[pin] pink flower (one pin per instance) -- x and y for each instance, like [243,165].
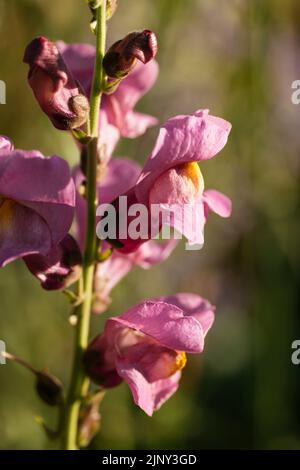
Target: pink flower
[120,175]
[37,199]
[172,177]
[53,85]
[146,347]
[117,117]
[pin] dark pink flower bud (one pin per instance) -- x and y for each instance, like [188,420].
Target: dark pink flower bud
[99,363]
[60,268]
[49,388]
[122,55]
[57,92]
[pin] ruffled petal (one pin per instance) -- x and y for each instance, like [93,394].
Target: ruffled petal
[193,305]
[166,324]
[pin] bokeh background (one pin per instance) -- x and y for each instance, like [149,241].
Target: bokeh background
[238,58]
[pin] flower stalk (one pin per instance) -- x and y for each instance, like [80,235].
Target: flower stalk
[79,382]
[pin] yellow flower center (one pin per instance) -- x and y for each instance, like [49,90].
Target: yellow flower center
[180,361]
[192,172]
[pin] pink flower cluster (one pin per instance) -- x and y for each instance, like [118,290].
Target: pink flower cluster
[40,198]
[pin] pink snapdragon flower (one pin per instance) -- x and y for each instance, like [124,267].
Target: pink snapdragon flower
[171,176]
[37,199]
[120,175]
[117,117]
[147,345]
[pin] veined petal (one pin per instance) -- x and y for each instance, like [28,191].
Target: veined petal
[193,305]
[166,324]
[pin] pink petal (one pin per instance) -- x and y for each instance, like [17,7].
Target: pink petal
[136,85]
[136,124]
[193,305]
[22,232]
[217,202]
[109,137]
[152,252]
[41,184]
[166,324]
[80,60]
[121,175]
[164,389]
[107,276]
[149,397]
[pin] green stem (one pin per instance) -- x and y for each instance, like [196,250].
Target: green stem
[79,382]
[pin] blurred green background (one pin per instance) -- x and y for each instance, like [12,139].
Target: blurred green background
[238,58]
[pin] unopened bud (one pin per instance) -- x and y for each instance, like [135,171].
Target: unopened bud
[96,366]
[94,4]
[60,268]
[121,57]
[53,85]
[111,6]
[90,420]
[49,388]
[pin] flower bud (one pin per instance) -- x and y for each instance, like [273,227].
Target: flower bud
[111,6]
[122,55]
[60,268]
[49,388]
[57,92]
[98,364]
[90,419]
[94,4]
